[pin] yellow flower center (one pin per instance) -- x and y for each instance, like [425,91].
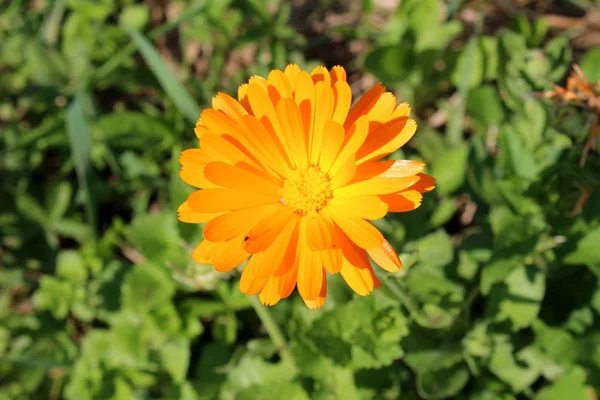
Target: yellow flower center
[307,190]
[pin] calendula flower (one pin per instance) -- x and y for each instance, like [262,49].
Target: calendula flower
[290,175]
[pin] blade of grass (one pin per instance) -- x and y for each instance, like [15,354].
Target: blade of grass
[175,90]
[115,61]
[79,141]
[52,23]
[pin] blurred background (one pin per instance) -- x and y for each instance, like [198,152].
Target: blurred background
[499,297]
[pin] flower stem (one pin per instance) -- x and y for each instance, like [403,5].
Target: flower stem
[274,332]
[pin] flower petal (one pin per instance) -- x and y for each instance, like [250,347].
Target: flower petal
[342,98]
[375,186]
[364,105]
[292,126]
[287,281]
[264,111]
[262,235]
[279,86]
[236,178]
[310,275]
[305,99]
[332,260]
[354,139]
[228,105]
[291,72]
[386,257]
[387,139]
[323,113]
[203,253]
[250,282]
[269,296]
[271,149]
[407,200]
[331,144]
[338,74]
[388,169]
[383,108]
[317,231]
[344,174]
[320,74]
[186,214]
[425,184]
[359,231]
[367,207]
[320,300]
[238,222]
[222,149]
[218,200]
[359,279]
[229,254]
[281,254]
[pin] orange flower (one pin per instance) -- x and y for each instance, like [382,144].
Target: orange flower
[290,175]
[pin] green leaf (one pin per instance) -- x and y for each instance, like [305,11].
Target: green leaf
[59,200]
[135,16]
[131,130]
[520,160]
[587,251]
[443,383]
[370,341]
[470,68]
[557,343]
[157,245]
[522,301]
[175,357]
[590,64]
[70,266]
[485,106]
[450,169]
[435,249]
[570,386]
[443,212]
[174,89]
[55,296]
[80,143]
[390,63]
[517,370]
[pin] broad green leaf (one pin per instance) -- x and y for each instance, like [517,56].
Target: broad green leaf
[175,357]
[443,383]
[470,68]
[55,296]
[590,64]
[435,249]
[587,251]
[520,159]
[522,301]
[569,386]
[157,245]
[174,89]
[444,211]
[71,267]
[135,16]
[390,63]
[485,106]
[146,286]
[518,370]
[450,169]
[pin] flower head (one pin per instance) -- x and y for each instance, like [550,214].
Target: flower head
[290,175]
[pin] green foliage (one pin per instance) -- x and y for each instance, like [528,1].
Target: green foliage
[99,298]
